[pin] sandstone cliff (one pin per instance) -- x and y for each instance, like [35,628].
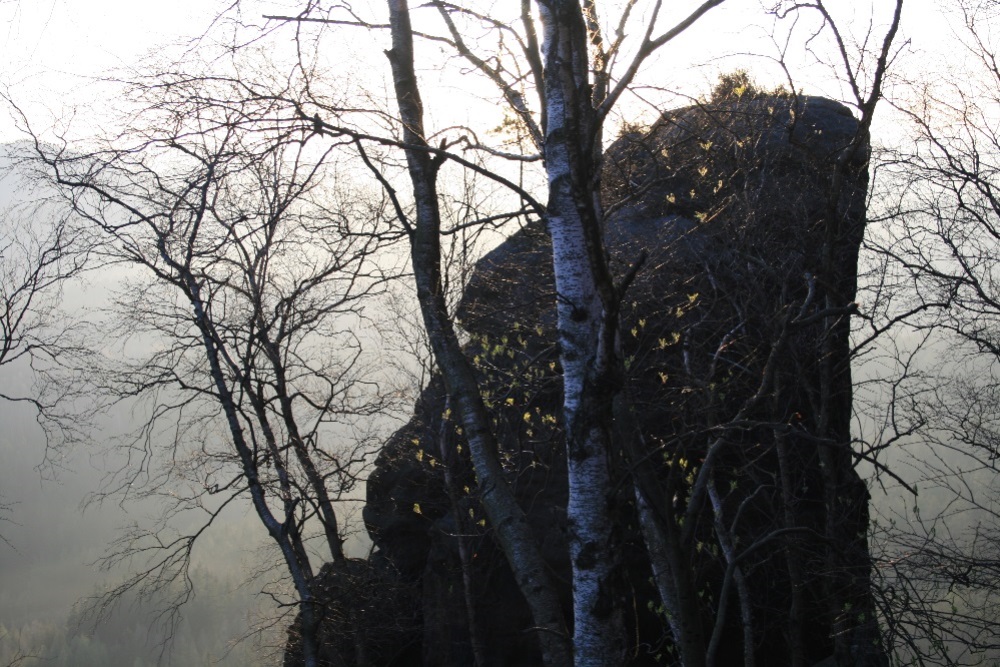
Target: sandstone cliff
[750,246]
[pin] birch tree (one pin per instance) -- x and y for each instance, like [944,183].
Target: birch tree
[241,326]
[553,64]
[569,67]
[589,299]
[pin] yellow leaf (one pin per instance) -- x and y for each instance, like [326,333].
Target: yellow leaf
[671,198]
[416,508]
[481,523]
[509,401]
[703,170]
[671,340]
[420,455]
[527,417]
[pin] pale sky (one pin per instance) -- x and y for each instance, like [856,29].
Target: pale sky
[51,49]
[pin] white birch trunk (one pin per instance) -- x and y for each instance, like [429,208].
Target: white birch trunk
[506,516]
[585,329]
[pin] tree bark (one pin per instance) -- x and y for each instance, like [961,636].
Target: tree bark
[588,330]
[508,519]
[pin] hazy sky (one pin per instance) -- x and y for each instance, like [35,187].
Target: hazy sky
[52,48]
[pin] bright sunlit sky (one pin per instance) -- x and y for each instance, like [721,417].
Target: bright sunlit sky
[51,49]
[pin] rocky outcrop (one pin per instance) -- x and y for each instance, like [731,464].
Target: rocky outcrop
[735,328]
[369,615]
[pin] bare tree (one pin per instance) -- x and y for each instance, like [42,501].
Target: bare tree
[41,250]
[189,218]
[241,331]
[941,247]
[17,656]
[559,88]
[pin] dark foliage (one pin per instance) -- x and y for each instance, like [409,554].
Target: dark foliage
[726,330]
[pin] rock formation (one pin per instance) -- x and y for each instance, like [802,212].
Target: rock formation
[735,330]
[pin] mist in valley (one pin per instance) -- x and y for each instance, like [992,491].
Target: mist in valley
[926,428]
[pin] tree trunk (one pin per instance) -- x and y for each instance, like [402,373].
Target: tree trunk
[512,528]
[285,533]
[588,331]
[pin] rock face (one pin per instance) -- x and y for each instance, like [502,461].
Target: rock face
[735,328]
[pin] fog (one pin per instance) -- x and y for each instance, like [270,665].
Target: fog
[47,566]
[51,543]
